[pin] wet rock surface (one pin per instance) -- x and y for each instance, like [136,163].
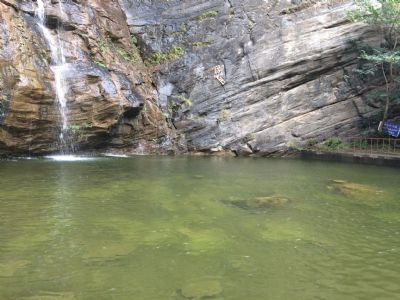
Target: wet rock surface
[111,101]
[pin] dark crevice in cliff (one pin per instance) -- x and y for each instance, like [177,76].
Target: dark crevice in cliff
[313,75]
[338,24]
[305,4]
[9,4]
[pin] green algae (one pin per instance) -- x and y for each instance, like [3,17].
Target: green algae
[27,241]
[158,228]
[362,193]
[284,230]
[388,216]
[10,268]
[109,251]
[204,241]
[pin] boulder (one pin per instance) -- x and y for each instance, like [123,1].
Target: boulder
[356,191]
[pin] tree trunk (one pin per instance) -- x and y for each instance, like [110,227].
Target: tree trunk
[387,82]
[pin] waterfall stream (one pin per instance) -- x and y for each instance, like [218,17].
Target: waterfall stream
[59,68]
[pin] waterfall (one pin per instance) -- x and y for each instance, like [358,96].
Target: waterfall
[59,68]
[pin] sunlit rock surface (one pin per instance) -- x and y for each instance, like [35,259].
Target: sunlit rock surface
[284,64]
[243,76]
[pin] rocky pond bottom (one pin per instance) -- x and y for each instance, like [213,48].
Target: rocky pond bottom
[198,228]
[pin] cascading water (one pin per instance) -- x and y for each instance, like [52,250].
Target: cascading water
[59,68]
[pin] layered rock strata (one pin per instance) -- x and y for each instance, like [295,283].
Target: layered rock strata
[111,100]
[252,77]
[261,75]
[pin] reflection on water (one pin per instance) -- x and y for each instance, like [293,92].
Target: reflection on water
[198,228]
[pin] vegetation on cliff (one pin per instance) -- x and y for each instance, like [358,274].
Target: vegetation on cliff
[383,59]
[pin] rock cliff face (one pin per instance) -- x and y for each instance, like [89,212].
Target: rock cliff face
[248,76]
[283,64]
[111,101]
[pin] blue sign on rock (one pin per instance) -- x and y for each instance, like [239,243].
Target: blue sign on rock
[392,129]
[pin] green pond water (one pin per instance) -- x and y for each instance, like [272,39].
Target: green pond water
[192,228]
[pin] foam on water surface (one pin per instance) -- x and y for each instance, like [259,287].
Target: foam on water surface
[69,158]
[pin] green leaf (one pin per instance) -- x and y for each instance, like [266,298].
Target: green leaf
[134,39]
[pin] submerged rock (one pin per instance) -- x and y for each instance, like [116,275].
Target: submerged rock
[259,203]
[355,191]
[270,201]
[207,289]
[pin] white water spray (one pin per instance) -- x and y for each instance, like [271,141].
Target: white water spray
[58,66]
